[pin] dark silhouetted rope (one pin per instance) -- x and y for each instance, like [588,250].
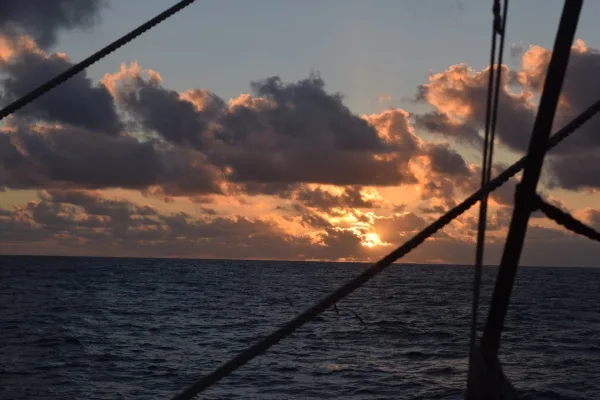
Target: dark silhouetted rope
[309,314]
[498,28]
[536,152]
[77,68]
[565,219]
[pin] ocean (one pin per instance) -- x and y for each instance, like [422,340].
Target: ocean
[109,328]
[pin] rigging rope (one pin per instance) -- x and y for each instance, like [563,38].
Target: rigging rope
[309,314]
[77,68]
[536,152]
[565,219]
[498,28]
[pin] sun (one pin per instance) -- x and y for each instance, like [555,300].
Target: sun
[371,240]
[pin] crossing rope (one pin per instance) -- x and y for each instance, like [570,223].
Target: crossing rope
[309,314]
[287,329]
[565,219]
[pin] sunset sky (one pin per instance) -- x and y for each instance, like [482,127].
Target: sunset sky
[268,129]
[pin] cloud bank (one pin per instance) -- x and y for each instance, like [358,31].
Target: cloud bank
[284,171]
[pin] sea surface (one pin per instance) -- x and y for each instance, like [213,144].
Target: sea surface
[102,328]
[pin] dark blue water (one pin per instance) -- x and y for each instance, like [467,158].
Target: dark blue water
[77,328]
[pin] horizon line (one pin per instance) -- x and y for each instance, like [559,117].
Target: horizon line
[306,261]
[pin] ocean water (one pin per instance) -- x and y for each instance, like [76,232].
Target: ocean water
[93,328]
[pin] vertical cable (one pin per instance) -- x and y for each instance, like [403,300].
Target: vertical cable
[526,190]
[498,28]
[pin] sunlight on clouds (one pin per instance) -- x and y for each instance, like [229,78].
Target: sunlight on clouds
[133,71]
[372,239]
[267,213]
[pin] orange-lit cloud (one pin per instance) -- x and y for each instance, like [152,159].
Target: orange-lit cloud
[128,166]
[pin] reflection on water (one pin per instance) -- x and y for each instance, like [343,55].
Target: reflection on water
[144,329]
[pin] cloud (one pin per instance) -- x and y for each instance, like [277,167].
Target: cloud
[293,145]
[458,96]
[396,228]
[440,124]
[84,222]
[444,160]
[273,141]
[282,190]
[350,197]
[77,102]
[574,164]
[579,91]
[75,221]
[281,134]
[54,156]
[444,176]
[160,110]
[575,172]
[43,19]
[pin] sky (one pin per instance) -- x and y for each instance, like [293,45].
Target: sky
[283,130]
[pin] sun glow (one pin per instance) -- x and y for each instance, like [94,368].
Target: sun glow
[371,240]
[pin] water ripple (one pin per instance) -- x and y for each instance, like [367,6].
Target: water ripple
[83,328]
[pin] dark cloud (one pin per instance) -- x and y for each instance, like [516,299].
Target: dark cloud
[272,142]
[575,172]
[446,177]
[44,19]
[321,199]
[163,111]
[340,168]
[77,157]
[444,160]
[304,134]
[51,156]
[285,134]
[439,123]
[77,101]
[280,189]
[95,205]
[314,221]
[305,115]
[440,189]
[12,164]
